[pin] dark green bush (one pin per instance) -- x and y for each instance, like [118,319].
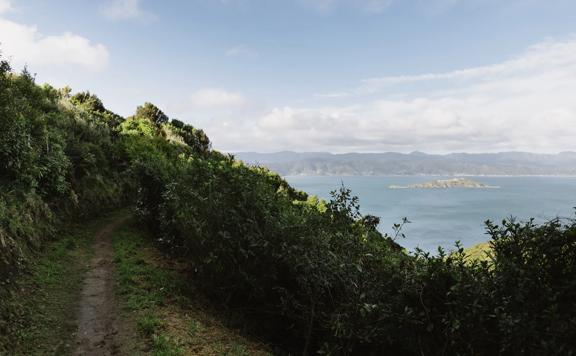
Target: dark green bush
[319,277]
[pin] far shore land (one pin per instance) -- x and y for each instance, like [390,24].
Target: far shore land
[436,175]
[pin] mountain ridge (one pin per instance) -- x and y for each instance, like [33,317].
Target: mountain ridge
[509,163]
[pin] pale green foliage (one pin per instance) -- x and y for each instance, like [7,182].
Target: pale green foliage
[137,127]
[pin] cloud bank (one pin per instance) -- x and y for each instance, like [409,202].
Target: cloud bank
[5,6]
[25,44]
[524,103]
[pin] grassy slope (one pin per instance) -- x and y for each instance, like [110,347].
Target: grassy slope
[478,252]
[45,302]
[169,317]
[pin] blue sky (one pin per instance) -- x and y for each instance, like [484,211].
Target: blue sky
[319,75]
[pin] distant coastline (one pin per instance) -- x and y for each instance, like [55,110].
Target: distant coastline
[436,175]
[504,164]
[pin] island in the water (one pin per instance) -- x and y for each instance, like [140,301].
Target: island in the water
[446,183]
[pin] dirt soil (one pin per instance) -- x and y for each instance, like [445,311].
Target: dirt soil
[98,317]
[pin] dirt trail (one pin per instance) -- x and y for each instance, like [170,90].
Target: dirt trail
[97,311]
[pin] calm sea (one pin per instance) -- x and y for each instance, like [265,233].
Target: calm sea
[439,217]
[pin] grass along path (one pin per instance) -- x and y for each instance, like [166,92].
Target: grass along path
[102,288]
[46,300]
[170,319]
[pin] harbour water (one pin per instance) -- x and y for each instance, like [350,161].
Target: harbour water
[439,217]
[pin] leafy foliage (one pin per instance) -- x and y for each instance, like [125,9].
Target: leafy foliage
[150,112]
[323,278]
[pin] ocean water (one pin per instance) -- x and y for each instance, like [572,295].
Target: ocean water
[439,217]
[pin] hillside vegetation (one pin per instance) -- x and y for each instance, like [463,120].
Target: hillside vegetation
[306,275]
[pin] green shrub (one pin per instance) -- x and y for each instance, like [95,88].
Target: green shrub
[320,277]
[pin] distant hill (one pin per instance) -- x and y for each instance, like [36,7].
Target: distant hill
[415,163]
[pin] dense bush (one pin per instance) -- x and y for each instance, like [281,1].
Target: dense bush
[65,157]
[319,277]
[59,160]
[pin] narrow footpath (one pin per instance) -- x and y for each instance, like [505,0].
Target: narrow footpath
[104,289]
[97,308]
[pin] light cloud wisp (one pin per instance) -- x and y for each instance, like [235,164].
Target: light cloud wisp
[217,99]
[525,103]
[125,10]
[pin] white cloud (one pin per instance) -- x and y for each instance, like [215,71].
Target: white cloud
[325,6]
[525,103]
[24,44]
[5,6]
[370,6]
[429,7]
[241,51]
[125,10]
[542,57]
[217,99]
[374,7]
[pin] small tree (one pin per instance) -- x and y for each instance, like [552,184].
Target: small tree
[89,101]
[151,112]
